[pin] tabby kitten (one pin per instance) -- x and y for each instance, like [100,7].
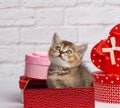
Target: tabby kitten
[66,69]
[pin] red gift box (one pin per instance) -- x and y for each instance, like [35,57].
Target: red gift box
[22,84]
[105,55]
[37,95]
[107,87]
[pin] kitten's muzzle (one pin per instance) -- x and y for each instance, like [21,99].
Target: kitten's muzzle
[60,53]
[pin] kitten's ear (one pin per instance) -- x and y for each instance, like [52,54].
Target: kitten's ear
[56,39]
[82,49]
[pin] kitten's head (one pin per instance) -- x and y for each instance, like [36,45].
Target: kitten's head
[64,53]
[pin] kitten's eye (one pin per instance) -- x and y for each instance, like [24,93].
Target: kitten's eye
[58,48]
[69,52]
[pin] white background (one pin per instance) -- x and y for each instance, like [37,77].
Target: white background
[28,25]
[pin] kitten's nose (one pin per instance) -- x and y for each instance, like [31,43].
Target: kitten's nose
[61,52]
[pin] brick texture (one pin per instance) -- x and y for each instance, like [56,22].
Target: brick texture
[50,17]
[48,3]
[9,36]
[28,25]
[16,17]
[112,2]
[91,34]
[44,35]
[77,16]
[9,3]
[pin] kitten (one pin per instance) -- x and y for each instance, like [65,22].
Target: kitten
[66,69]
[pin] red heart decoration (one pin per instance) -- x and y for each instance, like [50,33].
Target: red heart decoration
[106,54]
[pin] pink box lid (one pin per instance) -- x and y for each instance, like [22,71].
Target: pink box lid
[37,58]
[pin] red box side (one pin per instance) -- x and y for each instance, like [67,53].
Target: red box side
[23,82]
[57,98]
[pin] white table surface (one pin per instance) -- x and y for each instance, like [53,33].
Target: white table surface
[10,95]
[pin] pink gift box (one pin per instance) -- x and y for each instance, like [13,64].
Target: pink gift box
[36,65]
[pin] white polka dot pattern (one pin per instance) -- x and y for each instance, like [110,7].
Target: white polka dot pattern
[107,87]
[105,55]
[100,77]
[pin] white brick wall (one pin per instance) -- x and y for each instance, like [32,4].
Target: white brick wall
[28,25]
[17,17]
[9,3]
[48,3]
[49,17]
[77,16]
[44,35]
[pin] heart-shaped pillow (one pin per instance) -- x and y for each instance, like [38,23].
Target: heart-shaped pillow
[106,54]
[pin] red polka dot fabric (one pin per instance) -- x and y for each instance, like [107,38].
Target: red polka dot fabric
[100,77]
[105,55]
